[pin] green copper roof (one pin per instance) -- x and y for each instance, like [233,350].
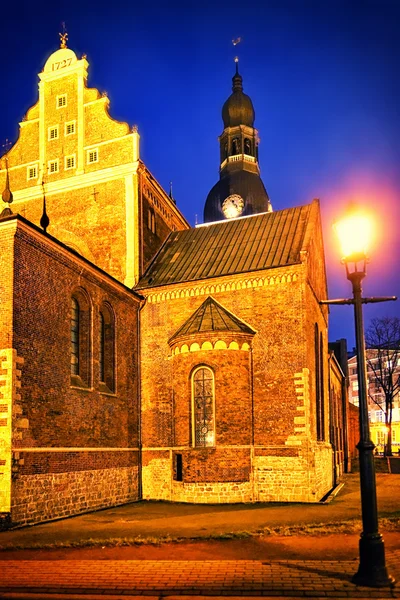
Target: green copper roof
[254,243]
[212,316]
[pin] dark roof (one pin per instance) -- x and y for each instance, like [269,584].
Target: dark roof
[228,247]
[212,316]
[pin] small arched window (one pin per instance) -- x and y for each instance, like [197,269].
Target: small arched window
[247,146]
[203,408]
[236,146]
[106,349]
[80,339]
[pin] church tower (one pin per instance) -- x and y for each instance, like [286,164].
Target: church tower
[240,190]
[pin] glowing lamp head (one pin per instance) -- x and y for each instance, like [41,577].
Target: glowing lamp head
[355,233]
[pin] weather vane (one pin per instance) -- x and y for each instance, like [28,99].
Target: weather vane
[63,37]
[235,42]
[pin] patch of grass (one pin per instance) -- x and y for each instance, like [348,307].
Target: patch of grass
[391,523]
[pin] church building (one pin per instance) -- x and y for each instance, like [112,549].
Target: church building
[141,358]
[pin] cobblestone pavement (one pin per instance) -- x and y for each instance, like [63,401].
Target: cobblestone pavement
[90,579]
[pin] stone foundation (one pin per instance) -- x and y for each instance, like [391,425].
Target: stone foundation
[306,477]
[49,496]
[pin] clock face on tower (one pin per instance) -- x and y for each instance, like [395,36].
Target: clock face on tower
[233,206]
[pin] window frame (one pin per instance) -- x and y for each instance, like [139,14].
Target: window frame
[193,408]
[56,162]
[81,375]
[66,158]
[70,124]
[89,152]
[61,101]
[36,170]
[55,129]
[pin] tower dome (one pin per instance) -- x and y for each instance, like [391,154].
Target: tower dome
[238,109]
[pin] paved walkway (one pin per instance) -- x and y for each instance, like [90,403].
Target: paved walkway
[191,579]
[117,579]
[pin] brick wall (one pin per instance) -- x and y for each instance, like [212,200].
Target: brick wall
[264,398]
[66,421]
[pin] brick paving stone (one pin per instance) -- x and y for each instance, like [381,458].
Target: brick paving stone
[207,579]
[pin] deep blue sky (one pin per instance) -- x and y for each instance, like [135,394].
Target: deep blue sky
[323,76]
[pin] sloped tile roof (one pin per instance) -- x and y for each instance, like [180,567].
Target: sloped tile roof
[212,316]
[253,243]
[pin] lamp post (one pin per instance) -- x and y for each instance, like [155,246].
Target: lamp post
[354,233]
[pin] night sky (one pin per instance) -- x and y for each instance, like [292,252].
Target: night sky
[323,76]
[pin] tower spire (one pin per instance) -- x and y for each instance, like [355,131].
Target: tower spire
[240,190]
[44,221]
[7,195]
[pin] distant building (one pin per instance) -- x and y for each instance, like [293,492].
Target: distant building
[376,403]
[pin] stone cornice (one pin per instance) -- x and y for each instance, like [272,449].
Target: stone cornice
[224,284]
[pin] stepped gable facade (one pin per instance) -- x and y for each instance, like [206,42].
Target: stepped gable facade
[103,201]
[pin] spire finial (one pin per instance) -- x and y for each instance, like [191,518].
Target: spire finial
[237,79]
[44,221]
[170,189]
[63,37]
[7,195]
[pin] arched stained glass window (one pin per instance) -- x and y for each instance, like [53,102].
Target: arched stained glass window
[203,407]
[80,341]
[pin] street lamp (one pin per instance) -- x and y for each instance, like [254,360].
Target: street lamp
[354,231]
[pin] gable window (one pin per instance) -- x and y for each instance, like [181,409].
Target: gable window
[61,100]
[203,420]
[106,349]
[80,340]
[92,156]
[32,172]
[69,162]
[53,166]
[53,132]
[70,128]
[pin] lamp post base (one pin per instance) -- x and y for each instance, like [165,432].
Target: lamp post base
[372,570]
